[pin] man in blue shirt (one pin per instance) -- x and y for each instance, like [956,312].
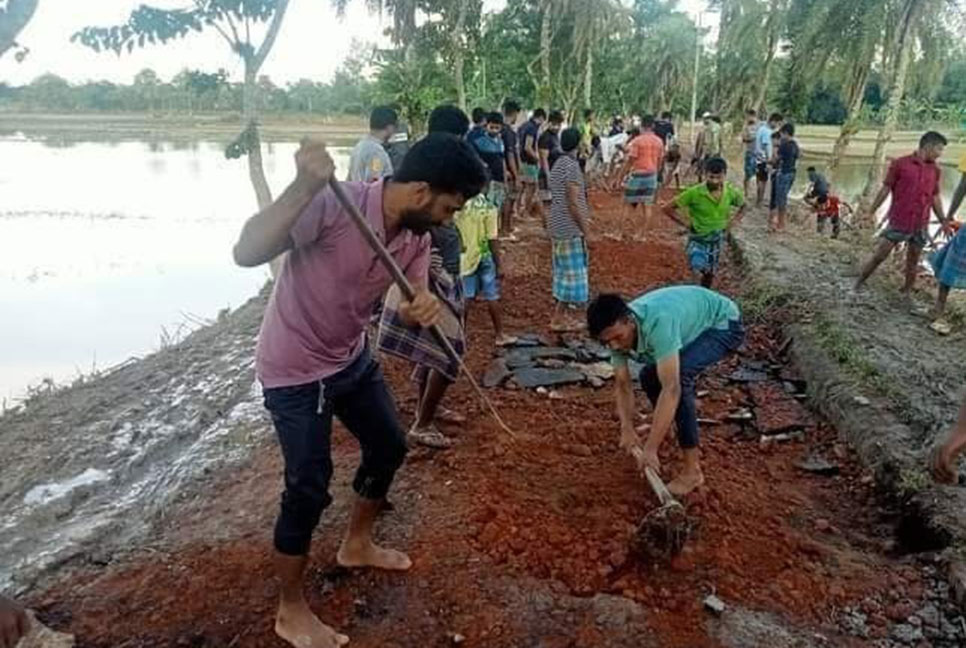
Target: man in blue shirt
[763,152]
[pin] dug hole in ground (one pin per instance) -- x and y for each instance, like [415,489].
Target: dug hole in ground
[515,545]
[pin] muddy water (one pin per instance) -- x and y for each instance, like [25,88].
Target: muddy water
[106,249]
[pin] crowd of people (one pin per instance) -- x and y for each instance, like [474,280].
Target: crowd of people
[444,207]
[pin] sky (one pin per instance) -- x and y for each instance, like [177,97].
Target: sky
[311,45]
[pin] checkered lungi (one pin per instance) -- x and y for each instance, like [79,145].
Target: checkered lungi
[704,251]
[949,263]
[570,280]
[417,344]
[640,188]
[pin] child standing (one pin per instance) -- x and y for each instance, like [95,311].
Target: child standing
[480,267]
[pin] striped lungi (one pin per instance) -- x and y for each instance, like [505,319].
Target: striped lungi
[571,284]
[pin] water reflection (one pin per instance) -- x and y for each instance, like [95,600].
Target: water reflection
[103,244]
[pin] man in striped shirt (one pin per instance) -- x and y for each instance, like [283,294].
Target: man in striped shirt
[567,226]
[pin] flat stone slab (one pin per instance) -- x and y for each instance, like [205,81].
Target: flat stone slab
[531,377]
[527,356]
[531,340]
[600,370]
[745,374]
[817,464]
[496,373]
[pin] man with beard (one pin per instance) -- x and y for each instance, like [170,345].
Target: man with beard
[709,205]
[312,357]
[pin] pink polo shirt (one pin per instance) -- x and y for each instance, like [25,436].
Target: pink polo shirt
[316,319]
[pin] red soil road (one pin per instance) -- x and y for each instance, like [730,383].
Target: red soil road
[493,526]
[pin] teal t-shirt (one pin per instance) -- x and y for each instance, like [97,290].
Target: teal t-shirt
[669,319]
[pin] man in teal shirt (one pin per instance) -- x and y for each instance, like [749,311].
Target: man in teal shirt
[677,332]
[709,205]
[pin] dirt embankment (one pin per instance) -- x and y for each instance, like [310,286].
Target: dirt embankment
[523,544]
[887,382]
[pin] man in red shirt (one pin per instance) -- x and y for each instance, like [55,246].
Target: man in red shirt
[913,182]
[645,157]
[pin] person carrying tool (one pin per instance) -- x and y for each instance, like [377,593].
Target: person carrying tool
[312,358]
[677,333]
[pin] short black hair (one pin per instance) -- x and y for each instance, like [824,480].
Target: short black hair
[647,121]
[539,113]
[810,169]
[776,117]
[569,139]
[556,117]
[606,310]
[588,113]
[716,119]
[932,138]
[823,199]
[633,132]
[478,115]
[511,107]
[666,115]
[446,162]
[382,117]
[716,165]
[788,129]
[448,119]
[494,118]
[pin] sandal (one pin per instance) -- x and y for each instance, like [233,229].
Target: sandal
[429,437]
[921,311]
[942,327]
[506,340]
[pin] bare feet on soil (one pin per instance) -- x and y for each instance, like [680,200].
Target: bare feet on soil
[352,554]
[685,483]
[297,625]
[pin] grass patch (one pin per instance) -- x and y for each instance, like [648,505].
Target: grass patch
[760,302]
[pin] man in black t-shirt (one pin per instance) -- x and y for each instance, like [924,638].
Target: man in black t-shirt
[530,157]
[786,158]
[549,147]
[664,128]
[511,151]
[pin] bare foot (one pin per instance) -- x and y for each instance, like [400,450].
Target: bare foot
[297,625]
[943,468]
[685,483]
[368,554]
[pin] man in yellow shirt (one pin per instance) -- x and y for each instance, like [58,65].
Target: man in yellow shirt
[480,267]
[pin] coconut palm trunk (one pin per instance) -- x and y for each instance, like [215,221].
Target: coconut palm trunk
[911,12]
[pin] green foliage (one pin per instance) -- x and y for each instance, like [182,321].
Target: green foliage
[150,25]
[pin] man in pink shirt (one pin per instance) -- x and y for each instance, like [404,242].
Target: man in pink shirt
[913,182]
[312,356]
[645,157]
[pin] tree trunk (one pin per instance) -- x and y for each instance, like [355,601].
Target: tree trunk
[544,92]
[858,80]
[910,17]
[250,116]
[12,21]
[760,102]
[588,77]
[457,44]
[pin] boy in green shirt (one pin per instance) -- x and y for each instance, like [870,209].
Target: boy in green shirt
[709,205]
[480,267]
[677,332]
